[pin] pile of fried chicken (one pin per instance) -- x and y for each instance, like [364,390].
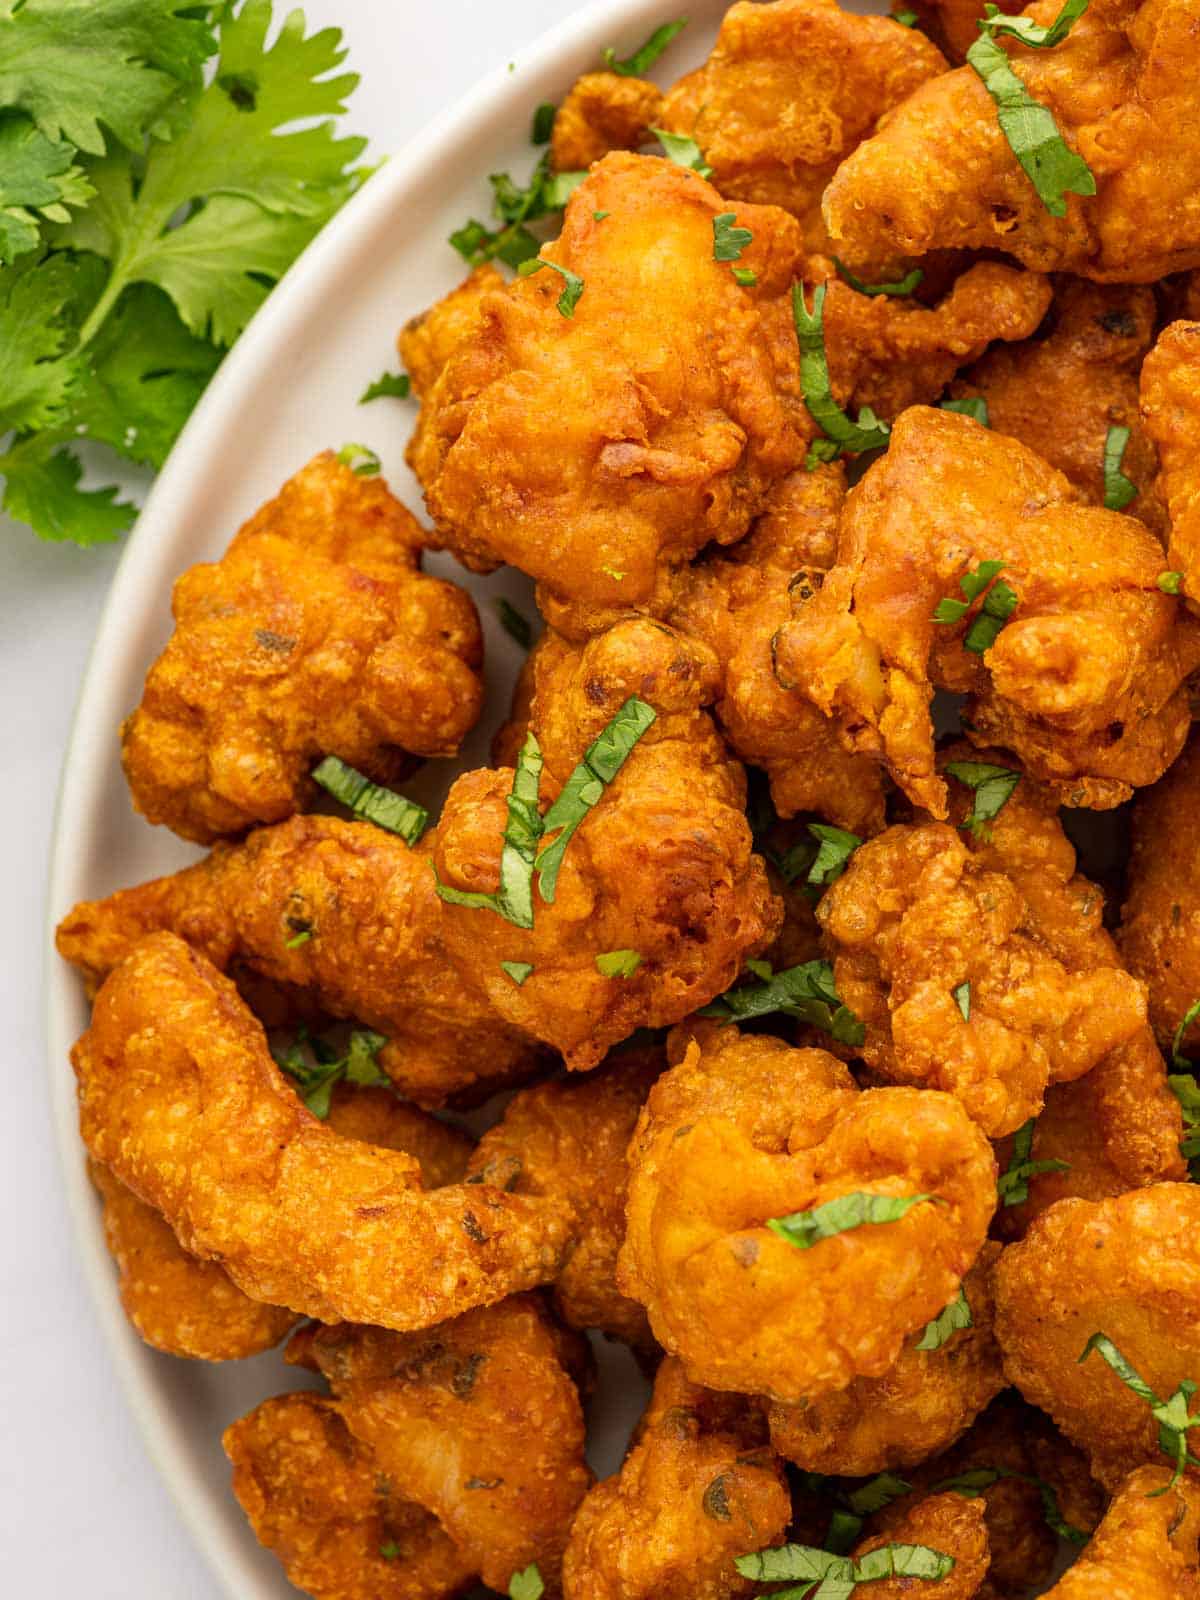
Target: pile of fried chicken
[831,1087]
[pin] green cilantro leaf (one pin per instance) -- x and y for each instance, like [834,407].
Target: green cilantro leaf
[361,459]
[1187,1091]
[1171,1415]
[975,407]
[835,847]
[543,123]
[518,971]
[41,488]
[955,1318]
[684,152]
[835,1577]
[906,19]
[514,623]
[746,276]
[390,1550]
[729,241]
[574,286]
[1170,582]
[999,603]
[644,58]
[476,244]
[1118,489]
[902,286]
[37,307]
[397,385]
[840,433]
[1031,33]
[878,1492]
[806,992]
[857,1209]
[514,899]
[1185,1022]
[315,1067]
[1012,1187]
[962,999]
[526,1585]
[585,787]
[544,195]
[1054,169]
[298,939]
[372,801]
[843,1532]
[618,963]
[972,1483]
[993,788]
[38,181]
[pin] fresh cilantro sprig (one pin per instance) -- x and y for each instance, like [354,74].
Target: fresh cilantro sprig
[1012,1187]
[545,195]
[315,1078]
[371,801]
[999,603]
[1118,489]
[644,58]
[825,1575]
[857,1209]
[149,210]
[840,434]
[806,992]
[1054,169]
[993,787]
[514,899]
[1171,1415]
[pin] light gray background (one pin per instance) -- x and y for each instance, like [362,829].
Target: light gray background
[81,1511]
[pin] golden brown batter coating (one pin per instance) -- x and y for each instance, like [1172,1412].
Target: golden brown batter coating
[179,1304]
[179,1096]
[427,341]
[1060,392]
[1127,1268]
[940,174]
[315,634]
[662,865]
[697,1488]
[745,1129]
[790,89]
[568,1139]
[948,1523]
[375,1115]
[477,1419]
[1146,1547]
[953,24]
[921,1405]
[599,450]
[603,111]
[1171,416]
[1160,920]
[1085,682]
[316,1498]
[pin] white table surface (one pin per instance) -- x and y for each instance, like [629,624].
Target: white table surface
[81,1510]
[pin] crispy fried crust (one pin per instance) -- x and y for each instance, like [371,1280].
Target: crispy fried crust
[921,1405]
[180,1097]
[948,1523]
[603,111]
[1146,1547]
[698,1488]
[316,1498]
[744,1129]
[477,1420]
[321,592]
[427,341]
[940,174]
[1086,681]
[1170,396]
[1128,1267]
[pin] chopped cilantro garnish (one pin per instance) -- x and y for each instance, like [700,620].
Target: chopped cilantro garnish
[1054,169]
[962,999]
[389,1551]
[999,603]
[835,847]
[477,244]
[843,1532]
[902,286]
[824,1573]
[1185,1022]
[514,623]
[973,1482]
[526,1585]
[806,992]
[728,240]
[1170,582]
[618,963]
[647,54]
[298,939]
[361,460]
[371,801]
[746,276]
[613,572]
[1171,1415]
[1012,1187]
[518,971]
[840,433]
[975,407]
[544,195]
[876,1493]
[952,1320]
[1118,489]
[599,216]
[601,762]
[398,385]
[906,19]
[857,1209]
[684,152]
[993,788]
[514,899]
[1187,1091]
[315,1078]
[574,286]
[543,123]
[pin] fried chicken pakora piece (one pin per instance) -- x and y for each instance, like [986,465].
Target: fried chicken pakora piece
[1084,682]
[568,1139]
[370,904]
[316,634]
[920,1405]
[1061,392]
[926,908]
[662,866]
[698,1487]
[599,449]
[180,1304]
[947,1523]
[179,1096]
[479,1421]
[603,111]
[940,173]
[953,25]
[375,1115]
[1170,398]
[745,1129]
[1146,1547]
[316,1498]
[1126,1268]
[427,341]
[1159,934]
[790,89]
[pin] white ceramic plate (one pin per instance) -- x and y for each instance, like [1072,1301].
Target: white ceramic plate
[290,388]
